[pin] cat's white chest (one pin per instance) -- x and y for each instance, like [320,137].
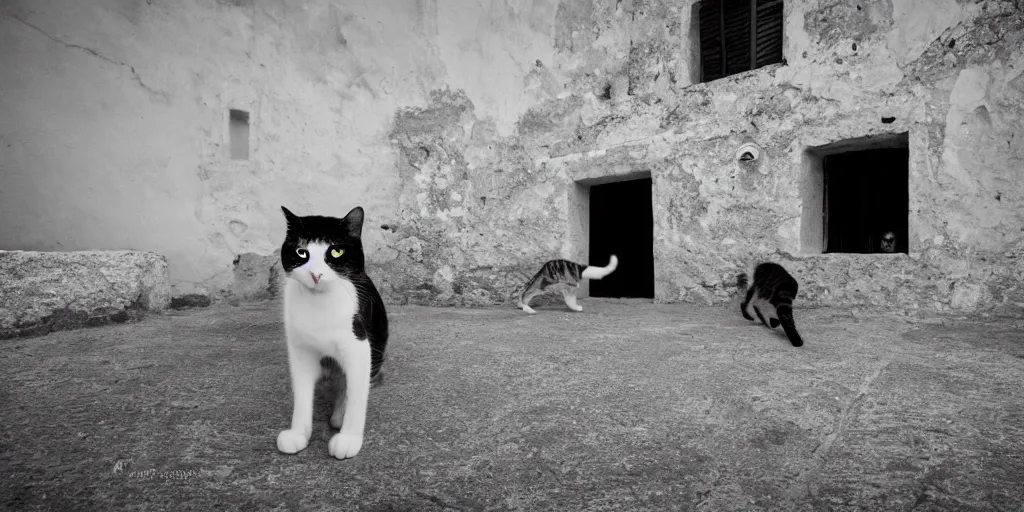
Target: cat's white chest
[320,320]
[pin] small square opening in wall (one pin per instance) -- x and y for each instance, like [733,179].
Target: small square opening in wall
[864,195]
[738,35]
[238,134]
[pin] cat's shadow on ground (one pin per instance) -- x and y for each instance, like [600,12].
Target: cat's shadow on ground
[550,309]
[331,383]
[780,335]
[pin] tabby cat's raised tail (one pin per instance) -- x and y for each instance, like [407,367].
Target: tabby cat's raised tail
[592,272]
[564,276]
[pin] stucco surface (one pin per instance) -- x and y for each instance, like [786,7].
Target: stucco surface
[462,127]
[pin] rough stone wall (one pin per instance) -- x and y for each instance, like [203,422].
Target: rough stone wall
[463,129]
[479,212]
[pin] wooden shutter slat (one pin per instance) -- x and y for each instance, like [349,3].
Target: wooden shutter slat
[737,35]
[768,49]
[711,40]
[768,4]
[769,32]
[775,32]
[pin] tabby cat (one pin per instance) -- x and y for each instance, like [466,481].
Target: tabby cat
[771,296]
[563,276]
[332,315]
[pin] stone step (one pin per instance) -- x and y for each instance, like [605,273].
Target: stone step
[42,292]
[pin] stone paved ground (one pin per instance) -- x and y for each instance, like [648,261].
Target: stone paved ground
[627,405]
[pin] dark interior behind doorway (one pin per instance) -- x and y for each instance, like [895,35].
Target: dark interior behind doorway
[622,223]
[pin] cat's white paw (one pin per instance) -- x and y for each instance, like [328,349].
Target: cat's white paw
[292,441]
[528,309]
[344,446]
[576,308]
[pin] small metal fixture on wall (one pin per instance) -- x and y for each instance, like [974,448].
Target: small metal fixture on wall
[750,157]
[748,152]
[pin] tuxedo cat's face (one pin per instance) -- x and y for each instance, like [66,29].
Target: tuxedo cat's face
[319,251]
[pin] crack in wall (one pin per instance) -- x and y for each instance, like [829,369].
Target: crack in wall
[160,96]
[667,135]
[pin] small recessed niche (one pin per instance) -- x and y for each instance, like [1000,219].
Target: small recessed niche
[856,196]
[238,131]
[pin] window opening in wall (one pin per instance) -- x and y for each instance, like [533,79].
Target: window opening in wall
[622,223]
[867,204]
[238,130]
[738,35]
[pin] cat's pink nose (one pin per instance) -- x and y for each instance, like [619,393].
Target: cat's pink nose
[316,277]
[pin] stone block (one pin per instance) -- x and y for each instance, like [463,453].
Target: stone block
[46,291]
[256,276]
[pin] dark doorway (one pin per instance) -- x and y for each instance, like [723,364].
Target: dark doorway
[866,196]
[622,223]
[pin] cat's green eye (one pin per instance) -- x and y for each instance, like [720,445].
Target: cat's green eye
[336,253]
[302,253]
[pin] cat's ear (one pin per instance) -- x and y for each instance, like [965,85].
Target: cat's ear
[352,224]
[293,221]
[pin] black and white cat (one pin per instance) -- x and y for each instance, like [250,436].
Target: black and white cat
[563,276]
[332,311]
[771,298]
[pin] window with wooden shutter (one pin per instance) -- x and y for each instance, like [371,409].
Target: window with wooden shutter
[738,35]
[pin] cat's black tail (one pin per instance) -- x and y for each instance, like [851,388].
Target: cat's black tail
[785,312]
